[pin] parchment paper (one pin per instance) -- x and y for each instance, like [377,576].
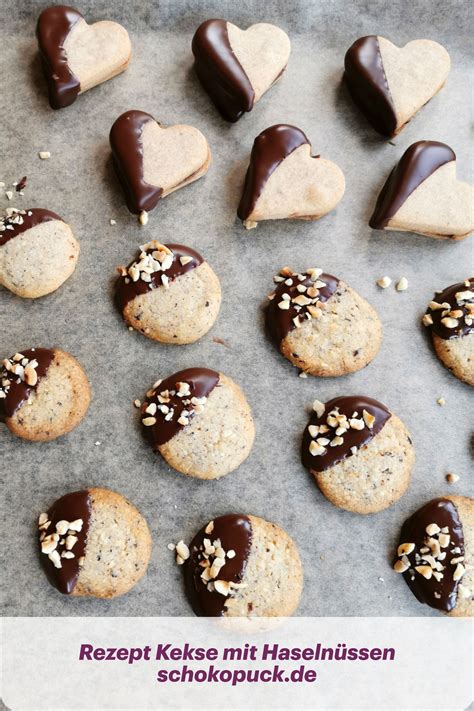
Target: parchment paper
[346,557]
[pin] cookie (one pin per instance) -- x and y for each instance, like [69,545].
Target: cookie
[200,422]
[436,555]
[320,324]
[359,452]
[43,393]
[423,195]
[284,181]
[94,543]
[169,293]
[242,566]
[38,252]
[152,161]
[236,67]
[450,318]
[390,84]
[77,56]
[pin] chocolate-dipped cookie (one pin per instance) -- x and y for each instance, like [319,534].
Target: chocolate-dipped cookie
[77,56]
[359,452]
[152,161]
[436,555]
[38,252]
[44,393]
[169,293]
[390,84]
[236,67]
[200,422]
[242,566]
[94,543]
[423,195]
[450,318]
[284,181]
[320,324]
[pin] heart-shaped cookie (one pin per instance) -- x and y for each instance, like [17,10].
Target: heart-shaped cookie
[77,56]
[390,84]
[423,195]
[284,181]
[152,161]
[236,67]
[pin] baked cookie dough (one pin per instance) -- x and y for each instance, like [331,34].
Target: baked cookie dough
[242,566]
[436,555]
[423,195]
[43,393]
[284,181]
[390,84]
[152,161]
[169,293]
[450,318]
[320,324]
[38,252]
[236,67]
[77,56]
[94,543]
[200,422]
[359,452]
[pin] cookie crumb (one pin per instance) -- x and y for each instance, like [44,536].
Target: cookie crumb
[384,282]
[44,155]
[402,284]
[9,194]
[113,222]
[441,401]
[452,478]
[143,217]
[303,374]
[137,403]
[250,224]
[97,444]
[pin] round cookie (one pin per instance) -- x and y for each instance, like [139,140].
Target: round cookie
[360,453]
[38,252]
[43,393]
[94,543]
[169,294]
[242,566]
[436,555]
[450,317]
[320,324]
[200,422]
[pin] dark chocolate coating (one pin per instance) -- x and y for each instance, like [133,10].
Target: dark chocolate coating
[126,292]
[127,152]
[68,508]
[37,216]
[368,86]
[202,382]
[279,322]
[448,296]
[444,513]
[220,72]
[19,391]
[418,162]
[235,533]
[54,25]
[269,149]
[352,438]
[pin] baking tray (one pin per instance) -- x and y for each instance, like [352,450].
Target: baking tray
[346,557]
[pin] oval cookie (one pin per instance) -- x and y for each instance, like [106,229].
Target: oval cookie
[236,67]
[152,161]
[77,56]
[320,324]
[169,293]
[436,555]
[94,543]
[242,566]
[43,393]
[200,422]
[450,318]
[38,252]
[360,453]
[284,181]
